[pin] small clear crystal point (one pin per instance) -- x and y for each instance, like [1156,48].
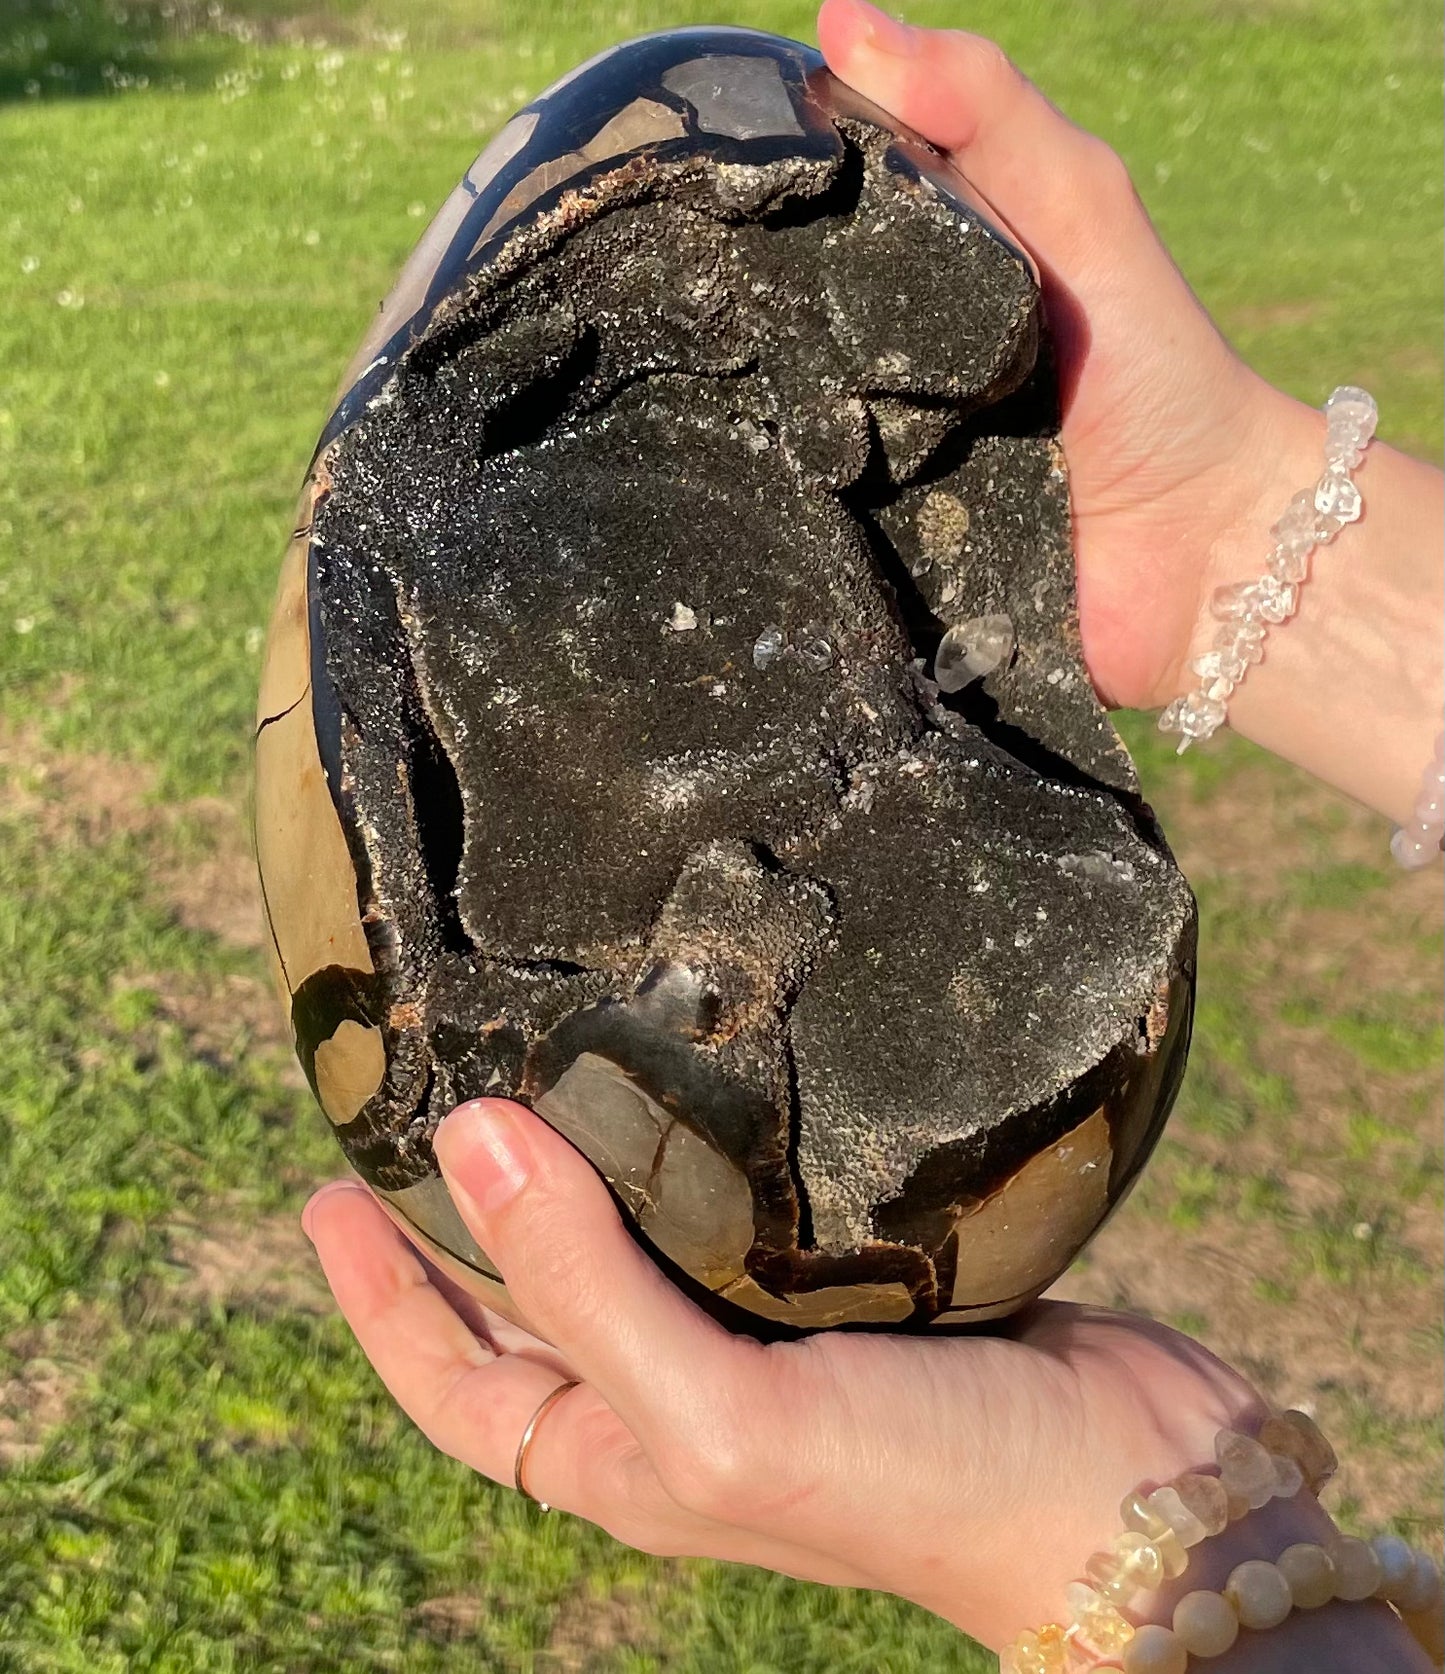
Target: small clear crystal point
[1351,408]
[1278,600]
[1342,453]
[1243,639]
[1226,662]
[1296,523]
[1202,715]
[1287,563]
[767,647]
[816,649]
[970,650]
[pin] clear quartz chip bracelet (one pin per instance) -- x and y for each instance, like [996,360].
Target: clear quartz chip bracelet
[1248,609]
[1420,842]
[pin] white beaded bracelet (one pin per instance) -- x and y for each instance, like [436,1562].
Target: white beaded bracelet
[1420,842]
[1288,1456]
[1248,609]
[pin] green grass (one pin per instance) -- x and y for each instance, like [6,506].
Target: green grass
[184,268]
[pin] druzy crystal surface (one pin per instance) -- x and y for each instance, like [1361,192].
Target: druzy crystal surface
[674,715]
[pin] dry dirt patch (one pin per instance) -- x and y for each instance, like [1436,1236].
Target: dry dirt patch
[263,1265]
[34,1400]
[231,1262]
[590,1625]
[204,875]
[86,797]
[449,1618]
[205,872]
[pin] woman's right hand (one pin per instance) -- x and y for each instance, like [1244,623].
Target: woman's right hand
[1172,442]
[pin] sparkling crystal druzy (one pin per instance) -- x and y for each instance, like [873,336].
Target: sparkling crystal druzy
[673,714]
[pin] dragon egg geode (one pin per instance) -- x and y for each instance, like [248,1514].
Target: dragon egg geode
[673,714]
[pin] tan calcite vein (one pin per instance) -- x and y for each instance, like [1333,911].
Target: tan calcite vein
[643,1152]
[884,1304]
[1013,1238]
[641,123]
[350,1066]
[312,910]
[286,666]
[312,906]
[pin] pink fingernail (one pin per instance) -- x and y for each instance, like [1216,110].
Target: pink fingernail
[886,34]
[483,1155]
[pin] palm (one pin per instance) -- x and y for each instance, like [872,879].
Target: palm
[1157,469]
[906,1422]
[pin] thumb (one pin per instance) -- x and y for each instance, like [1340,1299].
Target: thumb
[543,1214]
[1058,187]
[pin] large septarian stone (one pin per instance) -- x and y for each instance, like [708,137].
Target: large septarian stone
[674,718]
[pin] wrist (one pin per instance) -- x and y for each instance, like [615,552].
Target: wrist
[1367,620]
[1211,1565]
[1147,1407]
[1281,450]
[1355,1636]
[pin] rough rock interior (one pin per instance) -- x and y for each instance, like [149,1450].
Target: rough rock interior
[726,780]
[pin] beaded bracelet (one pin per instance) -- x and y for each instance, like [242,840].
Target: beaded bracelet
[1290,1453]
[1420,842]
[1260,1595]
[1248,609]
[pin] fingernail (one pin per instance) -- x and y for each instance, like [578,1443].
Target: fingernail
[329,1190]
[483,1155]
[886,34]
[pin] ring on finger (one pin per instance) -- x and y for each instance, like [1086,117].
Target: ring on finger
[519,1467]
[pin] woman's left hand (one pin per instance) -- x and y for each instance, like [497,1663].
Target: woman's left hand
[968,1474]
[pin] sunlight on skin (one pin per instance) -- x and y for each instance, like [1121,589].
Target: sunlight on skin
[1180,458]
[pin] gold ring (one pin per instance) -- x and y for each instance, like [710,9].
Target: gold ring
[518,1479]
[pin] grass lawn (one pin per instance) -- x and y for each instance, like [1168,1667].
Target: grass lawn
[198,212]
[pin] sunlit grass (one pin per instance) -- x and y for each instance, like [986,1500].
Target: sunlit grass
[198,214]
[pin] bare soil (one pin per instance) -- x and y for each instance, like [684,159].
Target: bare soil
[589,1625]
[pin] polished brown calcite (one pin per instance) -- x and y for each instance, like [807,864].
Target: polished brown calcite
[674,714]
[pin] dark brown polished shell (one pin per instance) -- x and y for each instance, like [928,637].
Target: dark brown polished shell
[673,715]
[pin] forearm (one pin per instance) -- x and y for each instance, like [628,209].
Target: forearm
[1350,689]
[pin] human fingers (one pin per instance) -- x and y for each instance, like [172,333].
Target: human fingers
[436,1363]
[1061,189]
[503,1334]
[475,1403]
[706,1406]
[467,1398]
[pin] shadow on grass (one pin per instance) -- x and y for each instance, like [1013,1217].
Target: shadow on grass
[53,49]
